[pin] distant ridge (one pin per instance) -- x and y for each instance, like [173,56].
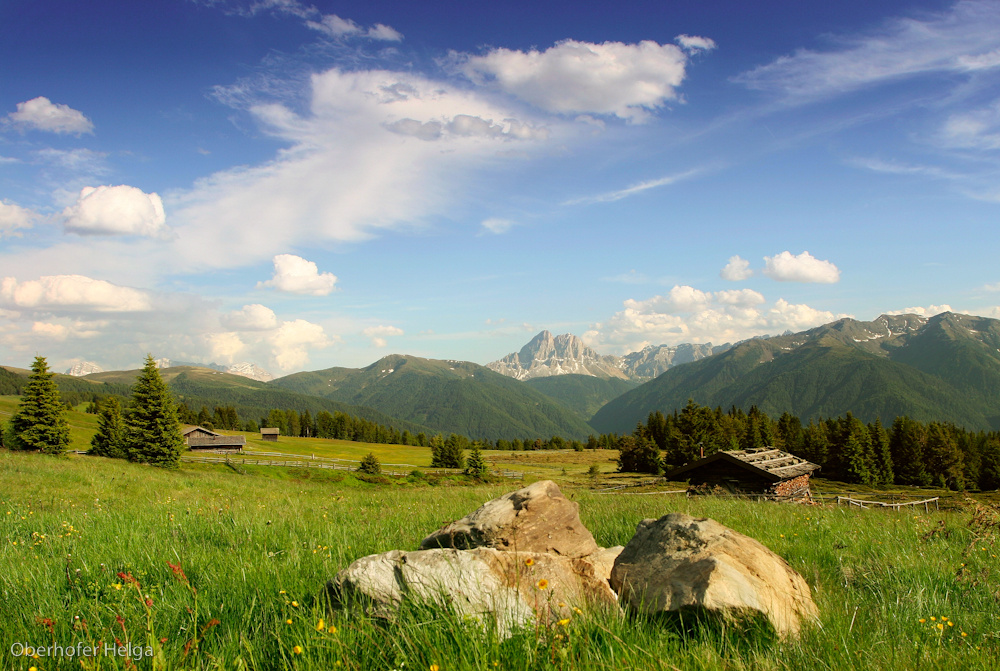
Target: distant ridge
[945,368]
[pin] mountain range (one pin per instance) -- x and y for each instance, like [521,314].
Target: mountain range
[945,368]
[546,355]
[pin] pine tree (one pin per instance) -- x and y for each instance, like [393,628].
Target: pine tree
[38,424]
[475,465]
[154,434]
[111,437]
[370,464]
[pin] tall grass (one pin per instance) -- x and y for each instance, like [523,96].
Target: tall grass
[258,550]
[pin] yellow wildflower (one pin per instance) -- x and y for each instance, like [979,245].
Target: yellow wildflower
[964,634]
[321,625]
[940,626]
[434,667]
[281,591]
[288,621]
[529,561]
[563,622]
[297,650]
[332,629]
[542,584]
[950,623]
[922,620]
[295,604]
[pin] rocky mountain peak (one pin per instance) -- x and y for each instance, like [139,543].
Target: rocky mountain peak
[81,368]
[250,370]
[547,355]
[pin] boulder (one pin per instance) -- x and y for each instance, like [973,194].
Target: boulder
[507,588]
[537,518]
[679,561]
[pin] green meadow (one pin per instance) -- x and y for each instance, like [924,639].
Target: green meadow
[87,544]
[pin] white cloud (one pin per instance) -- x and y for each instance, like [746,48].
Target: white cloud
[293,340]
[336,27]
[225,347]
[975,129]
[572,77]
[50,331]
[295,275]
[690,315]
[497,226]
[804,267]
[116,210]
[352,167]
[736,270]
[378,334]
[612,196]
[254,317]
[964,38]
[992,287]
[13,217]
[467,125]
[42,114]
[72,292]
[739,297]
[928,311]
[692,43]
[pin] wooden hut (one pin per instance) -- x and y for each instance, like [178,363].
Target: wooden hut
[765,472]
[217,443]
[196,432]
[270,434]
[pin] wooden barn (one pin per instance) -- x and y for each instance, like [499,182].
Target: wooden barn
[196,432]
[217,443]
[765,472]
[270,435]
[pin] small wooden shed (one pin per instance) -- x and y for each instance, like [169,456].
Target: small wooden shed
[196,432]
[217,443]
[270,434]
[765,472]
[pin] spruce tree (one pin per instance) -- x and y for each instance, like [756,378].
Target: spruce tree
[154,434]
[111,439]
[38,424]
[475,465]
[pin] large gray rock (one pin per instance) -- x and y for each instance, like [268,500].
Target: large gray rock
[537,518]
[681,561]
[508,588]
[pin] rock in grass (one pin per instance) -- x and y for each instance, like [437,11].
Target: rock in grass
[507,589]
[537,518]
[679,561]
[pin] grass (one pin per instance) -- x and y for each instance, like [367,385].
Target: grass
[259,548]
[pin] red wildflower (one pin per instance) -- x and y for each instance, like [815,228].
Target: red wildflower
[178,571]
[127,577]
[149,603]
[46,622]
[211,623]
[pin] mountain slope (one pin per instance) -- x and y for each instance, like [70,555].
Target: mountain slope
[583,394]
[199,387]
[944,368]
[448,396]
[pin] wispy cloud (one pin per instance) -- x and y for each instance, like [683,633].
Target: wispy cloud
[963,39]
[612,196]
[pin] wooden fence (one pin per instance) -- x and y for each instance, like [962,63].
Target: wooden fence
[861,503]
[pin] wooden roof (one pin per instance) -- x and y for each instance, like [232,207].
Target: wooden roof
[188,430]
[769,463]
[270,431]
[216,441]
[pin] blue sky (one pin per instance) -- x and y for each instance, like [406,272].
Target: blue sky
[304,185]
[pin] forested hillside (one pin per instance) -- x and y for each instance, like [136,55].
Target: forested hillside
[946,368]
[447,396]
